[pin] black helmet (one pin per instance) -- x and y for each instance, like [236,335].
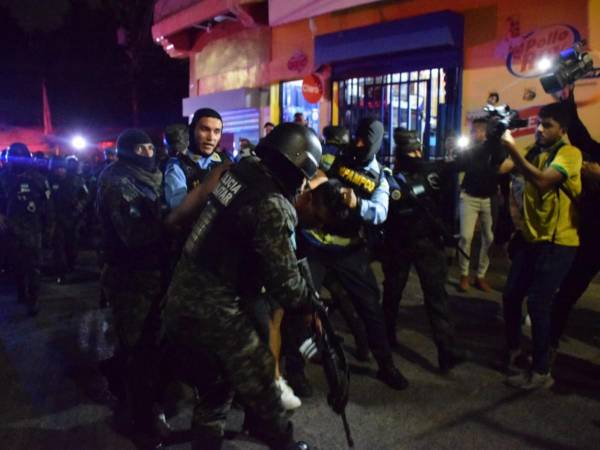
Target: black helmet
[298,144]
[406,141]
[18,155]
[72,163]
[57,162]
[176,137]
[336,135]
[110,151]
[128,141]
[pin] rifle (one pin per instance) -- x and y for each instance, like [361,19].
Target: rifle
[337,372]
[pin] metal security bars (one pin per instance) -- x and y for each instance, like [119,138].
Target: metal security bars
[415,100]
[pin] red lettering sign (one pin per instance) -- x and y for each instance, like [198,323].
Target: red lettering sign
[312,88]
[545,42]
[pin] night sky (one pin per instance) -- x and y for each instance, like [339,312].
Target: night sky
[86,73]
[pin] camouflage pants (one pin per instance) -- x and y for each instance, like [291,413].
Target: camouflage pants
[223,354]
[131,295]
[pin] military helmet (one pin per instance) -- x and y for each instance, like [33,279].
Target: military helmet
[18,155]
[298,144]
[336,135]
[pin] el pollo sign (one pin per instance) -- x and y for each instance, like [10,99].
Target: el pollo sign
[545,42]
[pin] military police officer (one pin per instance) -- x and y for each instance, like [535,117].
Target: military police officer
[70,196]
[23,214]
[243,240]
[414,236]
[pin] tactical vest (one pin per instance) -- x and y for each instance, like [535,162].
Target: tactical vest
[26,194]
[363,180]
[216,241]
[194,174]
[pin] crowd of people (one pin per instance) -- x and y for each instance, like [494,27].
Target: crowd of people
[199,254]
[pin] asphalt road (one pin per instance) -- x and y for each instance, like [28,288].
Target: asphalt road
[53,397]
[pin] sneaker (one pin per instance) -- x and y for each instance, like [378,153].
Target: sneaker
[529,381]
[289,401]
[482,284]
[463,284]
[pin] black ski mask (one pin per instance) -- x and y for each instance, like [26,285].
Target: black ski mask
[370,132]
[127,142]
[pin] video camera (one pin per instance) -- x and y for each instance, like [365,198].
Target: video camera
[573,64]
[508,119]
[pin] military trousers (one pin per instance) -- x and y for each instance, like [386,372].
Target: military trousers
[428,257]
[221,354]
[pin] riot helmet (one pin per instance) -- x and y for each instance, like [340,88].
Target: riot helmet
[298,144]
[407,150]
[18,157]
[367,141]
[110,154]
[72,163]
[58,165]
[176,138]
[131,146]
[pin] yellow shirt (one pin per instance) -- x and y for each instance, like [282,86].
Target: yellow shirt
[552,216]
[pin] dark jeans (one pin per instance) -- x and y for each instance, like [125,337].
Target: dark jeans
[536,273]
[429,260]
[586,266]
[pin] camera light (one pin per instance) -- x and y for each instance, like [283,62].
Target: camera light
[544,64]
[78,142]
[463,142]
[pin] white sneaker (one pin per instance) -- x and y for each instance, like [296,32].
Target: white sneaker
[288,399]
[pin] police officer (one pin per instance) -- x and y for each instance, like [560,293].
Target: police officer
[134,248]
[413,236]
[243,240]
[23,215]
[189,167]
[347,257]
[69,196]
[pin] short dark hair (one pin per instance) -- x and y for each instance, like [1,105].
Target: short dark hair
[555,111]
[329,195]
[268,124]
[494,94]
[480,121]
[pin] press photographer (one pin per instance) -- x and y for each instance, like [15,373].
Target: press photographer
[481,161]
[414,236]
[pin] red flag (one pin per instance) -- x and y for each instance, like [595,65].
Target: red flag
[46,107]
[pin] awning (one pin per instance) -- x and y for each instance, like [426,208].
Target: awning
[408,44]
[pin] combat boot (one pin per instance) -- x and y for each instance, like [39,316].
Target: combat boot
[390,375]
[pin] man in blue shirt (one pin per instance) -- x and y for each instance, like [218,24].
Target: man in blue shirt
[188,169]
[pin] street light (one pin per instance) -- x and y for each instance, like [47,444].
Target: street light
[78,142]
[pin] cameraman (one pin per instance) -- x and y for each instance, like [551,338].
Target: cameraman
[413,235]
[481,163]
[552,180]
[587,263]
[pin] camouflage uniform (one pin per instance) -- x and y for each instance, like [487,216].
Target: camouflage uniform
[26,209]
[70,195]
[130,210]
[248,244]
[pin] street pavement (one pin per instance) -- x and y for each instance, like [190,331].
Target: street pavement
[53,397]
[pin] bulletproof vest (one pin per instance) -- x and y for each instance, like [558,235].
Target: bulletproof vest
[137,202]
[363,180]
[217,241]
[68,195]
[25,197]
[194,174]
[418,192]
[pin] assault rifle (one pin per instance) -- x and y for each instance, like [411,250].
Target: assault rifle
[337,372]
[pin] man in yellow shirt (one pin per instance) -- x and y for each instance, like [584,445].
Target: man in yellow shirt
[552,184]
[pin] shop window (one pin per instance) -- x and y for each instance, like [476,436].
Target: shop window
[293,102]
[413,100]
